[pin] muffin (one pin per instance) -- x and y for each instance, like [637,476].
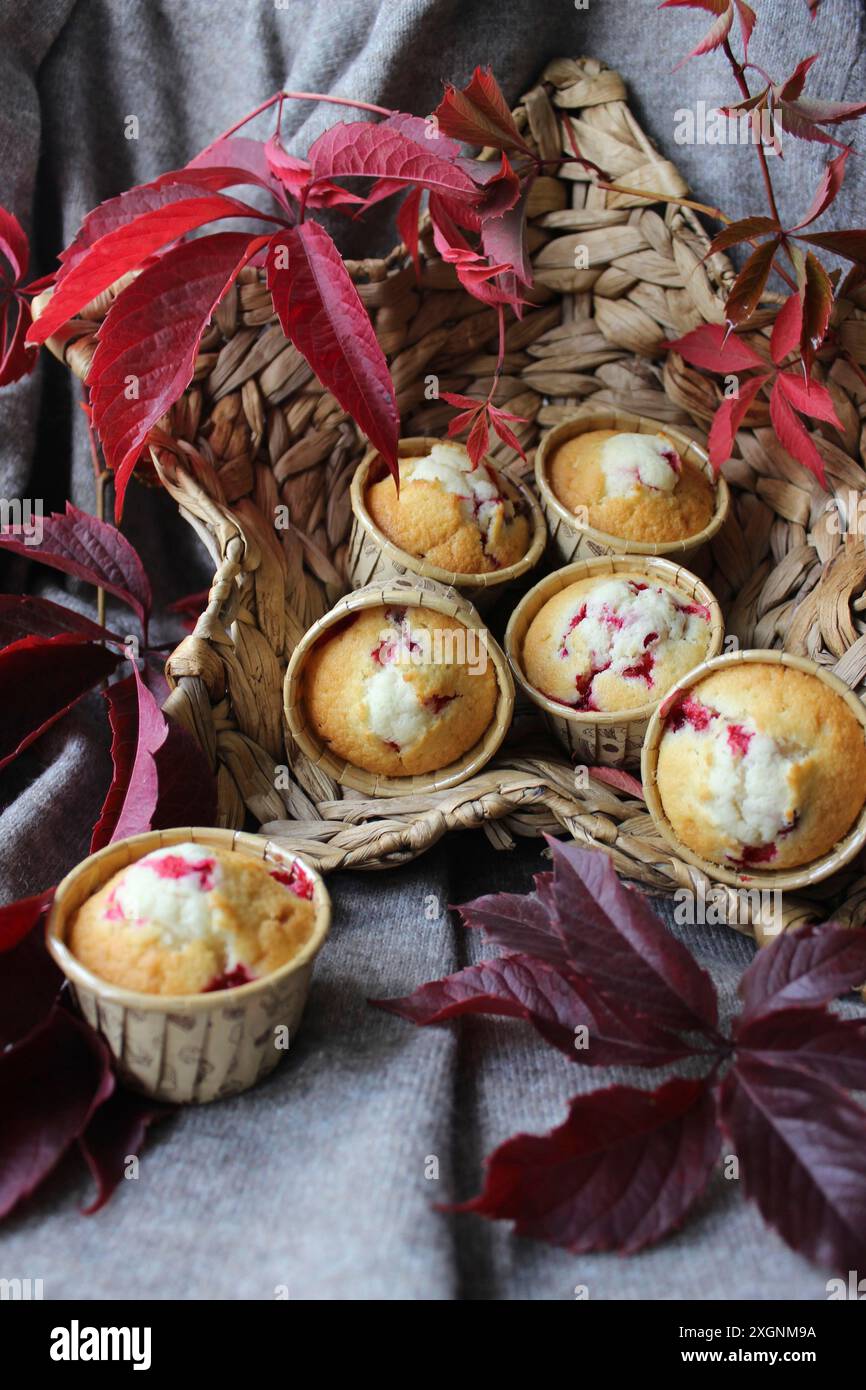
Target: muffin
[465,519]
[634,486]
[189,919]
[614,643]
[399,692]
[761,764]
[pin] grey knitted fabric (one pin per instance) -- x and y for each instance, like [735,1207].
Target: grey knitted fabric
[315,1182]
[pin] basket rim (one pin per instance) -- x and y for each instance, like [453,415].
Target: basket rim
[134,847]
[587,417]
[816,871]
[552,584]
[453,605]
[411,446]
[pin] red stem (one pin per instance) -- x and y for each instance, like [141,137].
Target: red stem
[282,96]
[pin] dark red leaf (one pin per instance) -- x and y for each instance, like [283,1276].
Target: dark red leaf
[787,328]
[187,790]
[295,175]
[828,186]
[711,348]
[793,435]
[360,148]
[50,1085]
[30,982]
[14,244]
[505,434]
[728,419]
[851,245]
[748,288]
[809,396]
[129,247]
[611,935]
[504,238]
[478,439]
[25,615]
[139,729]
[806,1174]
[19,918]
[116,1132]
[817,307]
[16,358]
[812,1040]
[407,225]
[621,1172]
[320,311]
[556,1003]
[149,341]
[792,87]
[40,679]
[92,550]
[745,230]
[479,114]
[802,968]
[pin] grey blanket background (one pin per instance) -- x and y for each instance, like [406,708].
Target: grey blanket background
[315,1182]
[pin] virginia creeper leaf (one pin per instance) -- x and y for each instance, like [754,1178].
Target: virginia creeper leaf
[40,679]
[809,966]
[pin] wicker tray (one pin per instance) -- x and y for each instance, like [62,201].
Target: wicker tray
[256,429]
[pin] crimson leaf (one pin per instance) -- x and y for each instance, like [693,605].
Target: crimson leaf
[89,549]
[809,396]
[811,965]
[787,328]
[715,350]
[793,435]
[806,1175]
[612,935]
[359,148]
[40,679]
[30,982]
[320,311]
[621,1172]
[728,419]
[479,114]
[116,1131]
[18,919]
[812,1040]
[148,342]
[26,615]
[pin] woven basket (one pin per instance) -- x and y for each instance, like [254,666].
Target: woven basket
[255,429]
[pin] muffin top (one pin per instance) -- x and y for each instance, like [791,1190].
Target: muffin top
[466,519]
[634,486]
[614,643]
[761,766]
[188,919]
[400,691]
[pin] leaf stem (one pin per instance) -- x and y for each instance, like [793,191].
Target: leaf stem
[282,96]
[743,84]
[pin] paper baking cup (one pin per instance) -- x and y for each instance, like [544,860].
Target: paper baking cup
[413,591]
[600,738]
[188,1047]
[373,558]
[572,541]
[739,878]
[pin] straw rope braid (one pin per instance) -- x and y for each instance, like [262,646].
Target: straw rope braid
[256,430]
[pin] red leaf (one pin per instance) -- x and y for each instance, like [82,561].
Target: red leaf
[360,148]
[95,551]
[243,161]
[129,246]
[718,31]
[802,968]
[715,350]
[478,439]
[132,798]
[320,311]
[817,307]
[611,934]
[787,328]
[40,679]
[16,359]
[744,230]
[19,918]
[14,244]
[808,1179]
[295,175]
[621,1172]
[728,418]
[407,225]
[116,1131]
[810,397]
[812,1040]
[793,435]
[50,1085]
[851,245]
[748,288]
[618,778]
[519,923]
[25,615]
[556,1003]
[30,982]
[792,87]
[504,238]
[150,338]
[828,186]
[505,434]
[479,114]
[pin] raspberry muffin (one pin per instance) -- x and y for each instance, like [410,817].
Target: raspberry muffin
[399,691]
[614,643]
[188,919]
[468,520]
[761,765]
[634,486]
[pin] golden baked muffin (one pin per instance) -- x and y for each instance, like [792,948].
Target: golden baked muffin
[614,643]
[187,919]
[761,765]
[400,691]
[468,520]
[634,486]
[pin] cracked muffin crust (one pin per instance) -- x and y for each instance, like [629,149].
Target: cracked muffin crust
[761,765]
[614,643]
[634,486]
[400,691]
[464,519]
[188,919]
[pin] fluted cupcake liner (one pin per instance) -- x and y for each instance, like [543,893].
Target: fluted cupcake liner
[601,738]
[189,1047]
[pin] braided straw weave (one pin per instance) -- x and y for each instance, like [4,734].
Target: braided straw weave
[256,430]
